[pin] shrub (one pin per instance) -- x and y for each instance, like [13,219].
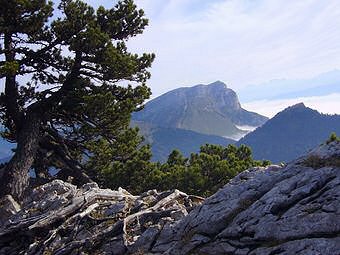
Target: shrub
[333,137]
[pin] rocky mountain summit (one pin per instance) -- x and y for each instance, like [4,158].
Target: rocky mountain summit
[212,109]
[292,209]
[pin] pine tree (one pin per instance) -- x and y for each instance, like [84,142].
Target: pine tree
[71,100]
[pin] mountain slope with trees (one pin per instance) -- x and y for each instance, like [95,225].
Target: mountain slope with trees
[291,133]
[164,140]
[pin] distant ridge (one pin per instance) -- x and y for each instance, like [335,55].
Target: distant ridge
[164,140]
[212,109]
[291,133]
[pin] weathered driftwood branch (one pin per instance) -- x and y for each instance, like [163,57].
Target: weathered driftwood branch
[59,218]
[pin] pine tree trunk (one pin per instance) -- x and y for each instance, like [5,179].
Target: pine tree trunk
[15,179]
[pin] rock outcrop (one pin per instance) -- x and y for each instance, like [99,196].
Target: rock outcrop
[59,219]
[292,209]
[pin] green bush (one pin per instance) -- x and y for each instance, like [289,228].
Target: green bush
[202,173]
[333,137]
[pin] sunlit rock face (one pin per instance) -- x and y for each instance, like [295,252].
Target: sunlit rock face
[212,109]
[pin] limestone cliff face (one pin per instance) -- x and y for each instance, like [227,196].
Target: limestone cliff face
[209,109]
[292,209]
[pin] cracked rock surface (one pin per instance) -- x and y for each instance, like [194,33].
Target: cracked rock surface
[275,210]
[292,209]
[58,218]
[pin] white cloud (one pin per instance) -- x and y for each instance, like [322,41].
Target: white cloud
[329,104]
[239,41]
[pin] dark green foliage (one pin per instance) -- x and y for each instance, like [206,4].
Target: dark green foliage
[202,173]
[205,172]
[332,138]
[122,165]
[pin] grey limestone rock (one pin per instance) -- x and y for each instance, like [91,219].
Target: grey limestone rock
[292,209]
[275,210]
[58,218]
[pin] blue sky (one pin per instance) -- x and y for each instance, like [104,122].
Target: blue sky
[240,42]
[247,44]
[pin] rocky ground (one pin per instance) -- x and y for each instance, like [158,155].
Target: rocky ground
[292,209]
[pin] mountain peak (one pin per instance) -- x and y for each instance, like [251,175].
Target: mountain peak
[214,86]
[298,105]
[211,109]
[299,108]
[218,84]
[290,133]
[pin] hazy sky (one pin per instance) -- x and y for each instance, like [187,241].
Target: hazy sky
[240,42]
